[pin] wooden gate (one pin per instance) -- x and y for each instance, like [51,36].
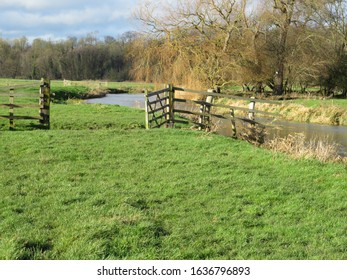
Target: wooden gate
[16,103]
[159,108]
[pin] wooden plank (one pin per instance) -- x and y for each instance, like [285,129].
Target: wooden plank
[158,100]
[19,117]
[35,106]
[158,109]
[223,117]
[157,118]
[159,125]
[224,106]
[190,121]
[14,87]
[250,121]
[226,96]
[198,102]
[158,92]
[21,95]
[199,114]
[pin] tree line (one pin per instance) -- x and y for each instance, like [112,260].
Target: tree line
[284,45]
[73,59]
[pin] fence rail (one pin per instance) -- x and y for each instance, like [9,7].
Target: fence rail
[18,86]
[161,111]
[18,101]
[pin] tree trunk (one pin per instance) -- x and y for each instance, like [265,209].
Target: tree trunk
[278,81]
[286,9]
[344,93]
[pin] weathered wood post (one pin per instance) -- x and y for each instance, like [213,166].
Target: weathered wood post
[209,100]
[171,106]
[233,123]
[201,118]
[11,109]
[251,108]
[45,102]
[204,121]
[146,109]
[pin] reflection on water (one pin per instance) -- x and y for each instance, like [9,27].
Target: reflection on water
[325,133]
[123,99]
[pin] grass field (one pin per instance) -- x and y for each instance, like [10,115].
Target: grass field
[99,186]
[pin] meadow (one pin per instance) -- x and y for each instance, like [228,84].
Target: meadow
[97,185]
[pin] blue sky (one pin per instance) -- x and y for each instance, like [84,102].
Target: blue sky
[58,19]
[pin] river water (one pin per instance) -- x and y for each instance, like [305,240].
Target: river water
[326,133]
[123,99]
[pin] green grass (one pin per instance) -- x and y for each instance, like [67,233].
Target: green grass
[131,87]
[78,89]
[99,186]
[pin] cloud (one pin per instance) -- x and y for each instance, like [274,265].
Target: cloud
[44,4]
[37,18]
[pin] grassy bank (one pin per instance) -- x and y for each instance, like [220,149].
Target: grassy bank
[65,89]
[99,186]
[331,112]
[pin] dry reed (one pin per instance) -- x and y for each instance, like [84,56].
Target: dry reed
[297,146]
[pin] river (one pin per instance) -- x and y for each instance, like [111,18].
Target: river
[326,133]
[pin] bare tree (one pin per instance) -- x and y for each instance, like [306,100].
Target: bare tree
[206,35]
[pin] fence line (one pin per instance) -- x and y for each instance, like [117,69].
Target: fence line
[43,105]
[162,110]
[18,86]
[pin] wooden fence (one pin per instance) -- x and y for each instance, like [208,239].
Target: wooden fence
[159,106]
[17,101]
[162,106]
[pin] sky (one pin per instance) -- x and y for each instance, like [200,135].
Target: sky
[59,19]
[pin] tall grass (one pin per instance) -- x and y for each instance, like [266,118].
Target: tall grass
[297,146]
[332,112]
[323,114]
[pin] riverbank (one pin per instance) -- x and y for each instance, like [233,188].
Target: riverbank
[95,89]
[98,185]
[330,112]
[318,112]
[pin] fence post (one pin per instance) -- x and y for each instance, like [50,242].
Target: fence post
[146,109]
[201,118]
[209,99]
[205,121]
[45,101]
[171,118]
[233,123]
[11,109]
[251,107]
